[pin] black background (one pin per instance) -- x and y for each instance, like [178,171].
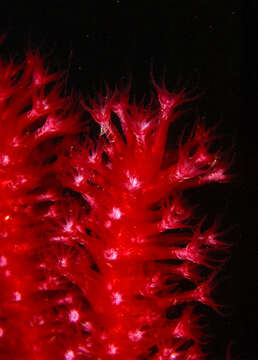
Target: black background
[199,43]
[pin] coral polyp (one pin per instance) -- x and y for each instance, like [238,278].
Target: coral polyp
[101,256]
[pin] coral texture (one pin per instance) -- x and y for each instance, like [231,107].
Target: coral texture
[100,255]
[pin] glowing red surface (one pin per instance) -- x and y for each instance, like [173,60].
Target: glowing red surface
[100,255]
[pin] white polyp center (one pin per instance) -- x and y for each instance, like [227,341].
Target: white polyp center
[17,296]
[45,105]
[169,352]
[92,158]
[3,261]
[7,273]
[68,226]
[116,298]
[115,213]
[74,316]
[15,141]
[63,262]
[38,78]
[112,349]
[87,326]
[135,335]
[211,239]
[110,254]
[133,181]
[78,179]
[138,239]
[4,160]
[66,300]
[69,355]
[173,356]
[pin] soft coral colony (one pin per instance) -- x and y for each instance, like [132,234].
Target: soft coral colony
[99,255]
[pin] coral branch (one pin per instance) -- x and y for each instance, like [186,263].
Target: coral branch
[100,255]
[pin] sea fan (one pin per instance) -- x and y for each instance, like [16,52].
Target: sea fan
[101,257]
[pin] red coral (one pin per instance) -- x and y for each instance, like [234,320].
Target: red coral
[99,255]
